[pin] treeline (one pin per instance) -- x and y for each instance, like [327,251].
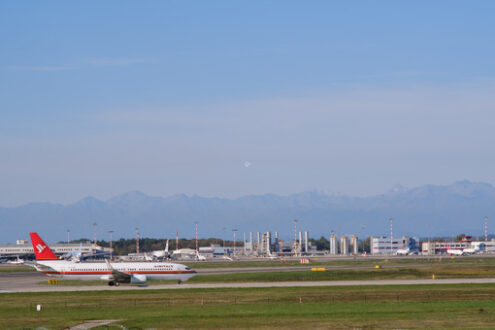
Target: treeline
[125,246]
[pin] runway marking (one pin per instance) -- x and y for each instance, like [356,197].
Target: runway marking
[92,324]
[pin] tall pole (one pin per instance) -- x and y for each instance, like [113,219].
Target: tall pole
[486,231]
[111,249]
[68,236]
[196,225]
[363,228]
[391,235]
[234,230]
[223,240]
[295,237]
[94,246]
[137,240]
[244,248]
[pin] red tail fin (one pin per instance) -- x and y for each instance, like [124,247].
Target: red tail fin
[41,250]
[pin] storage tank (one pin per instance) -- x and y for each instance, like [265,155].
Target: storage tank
[344,245]
[333,244]
[354,244]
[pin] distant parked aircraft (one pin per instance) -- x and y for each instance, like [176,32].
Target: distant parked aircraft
[161,254]
[455,252]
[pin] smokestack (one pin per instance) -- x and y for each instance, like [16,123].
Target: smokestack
[333,244]
[300,241]
[251,241]
[306,242]
[258,246]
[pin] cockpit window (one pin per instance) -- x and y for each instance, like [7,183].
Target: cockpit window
[187,268]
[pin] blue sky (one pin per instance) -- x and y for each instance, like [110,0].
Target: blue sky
[174,97]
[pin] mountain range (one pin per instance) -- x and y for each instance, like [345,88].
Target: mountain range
[429,210]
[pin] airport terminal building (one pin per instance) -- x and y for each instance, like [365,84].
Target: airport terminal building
[382,244]
[25,249]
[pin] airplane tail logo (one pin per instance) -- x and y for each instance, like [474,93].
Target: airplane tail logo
[41,250]
[40,247]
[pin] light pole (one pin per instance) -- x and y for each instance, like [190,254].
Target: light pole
[391,236]
[196,225]
[295,237]
[68,236]
[223,240]
[486,231]
[363,229]
[244,246]
[137,240]
[111,249]
[94,229]
[235,231]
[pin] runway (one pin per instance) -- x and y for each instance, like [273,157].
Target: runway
[29,282]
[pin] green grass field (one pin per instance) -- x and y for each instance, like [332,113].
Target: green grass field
[16,269]
[426,306]
[341,262]
[419,306]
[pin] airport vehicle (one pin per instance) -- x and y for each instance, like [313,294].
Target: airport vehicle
[114,273]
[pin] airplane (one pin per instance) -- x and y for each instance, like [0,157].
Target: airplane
[476,247]
[114,273]
[200,257]
[161,254]
[74,256]
[269,253]
[471,251]
[402,252]
[18,261]
[455,252]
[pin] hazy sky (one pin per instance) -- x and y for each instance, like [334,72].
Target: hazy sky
[227,98]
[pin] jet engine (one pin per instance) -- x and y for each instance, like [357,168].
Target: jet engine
[138,278]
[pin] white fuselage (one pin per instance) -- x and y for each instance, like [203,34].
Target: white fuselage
[455,252]
[101,271]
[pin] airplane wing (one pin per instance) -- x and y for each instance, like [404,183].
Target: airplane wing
[39,267]
[118,275]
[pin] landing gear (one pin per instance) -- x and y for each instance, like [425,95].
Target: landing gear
[179,282]
[117,283]
[111,283]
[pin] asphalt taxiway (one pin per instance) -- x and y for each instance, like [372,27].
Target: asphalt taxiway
[33,281]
